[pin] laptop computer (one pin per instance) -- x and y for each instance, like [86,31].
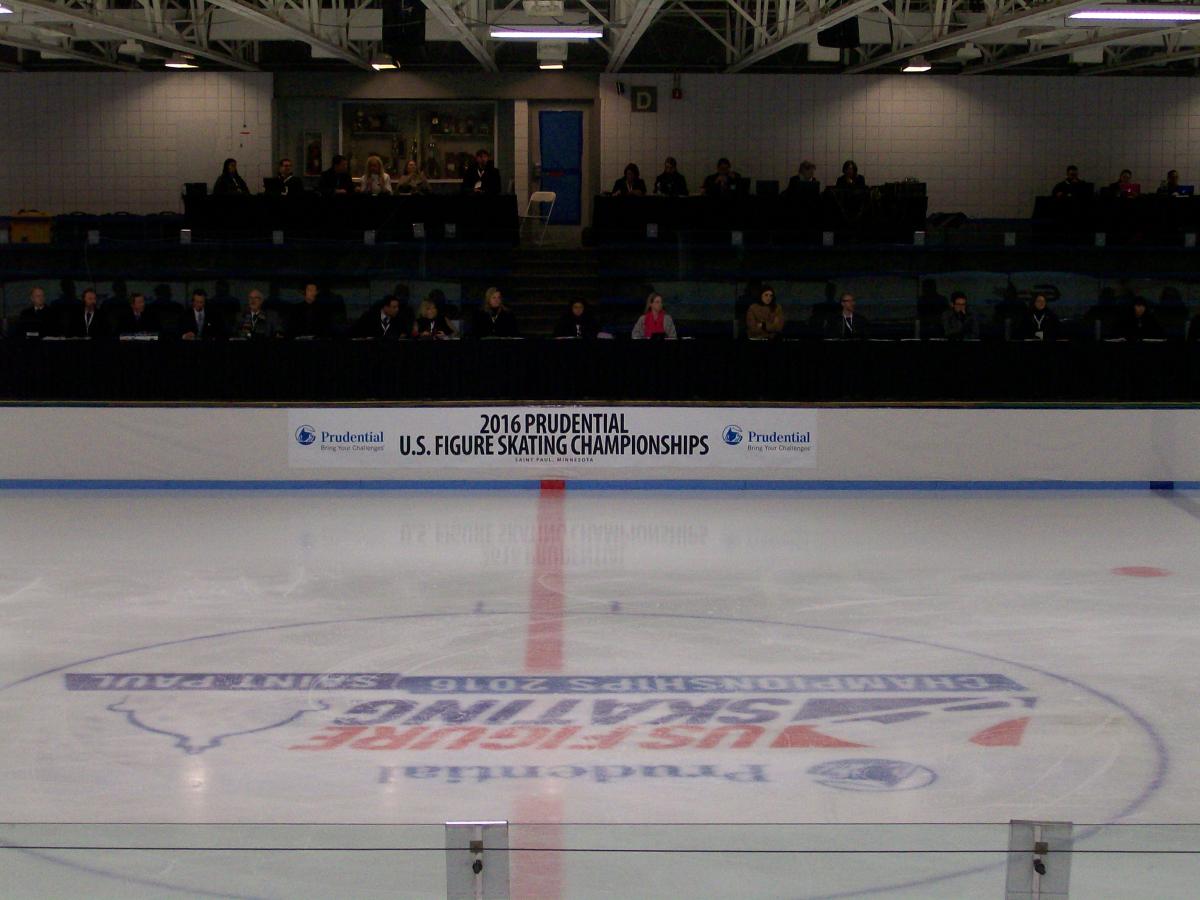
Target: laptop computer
[1129,190]
[1185,190]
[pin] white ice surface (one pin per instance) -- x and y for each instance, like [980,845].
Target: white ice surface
[441,585]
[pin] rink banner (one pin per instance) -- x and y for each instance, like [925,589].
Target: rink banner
[537,439]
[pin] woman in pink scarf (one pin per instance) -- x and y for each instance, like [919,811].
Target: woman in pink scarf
[654,323]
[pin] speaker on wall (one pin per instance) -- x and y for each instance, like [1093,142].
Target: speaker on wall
[403,26]
[843,35]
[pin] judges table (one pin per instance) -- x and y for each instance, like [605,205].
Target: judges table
[485,218]
[889,213]
[537,369]
[1156,217]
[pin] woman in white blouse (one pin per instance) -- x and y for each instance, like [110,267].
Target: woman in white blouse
[375,181]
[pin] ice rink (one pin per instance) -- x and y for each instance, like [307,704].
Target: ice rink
[755,671]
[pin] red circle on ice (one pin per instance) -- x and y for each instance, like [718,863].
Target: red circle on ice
[1141,571]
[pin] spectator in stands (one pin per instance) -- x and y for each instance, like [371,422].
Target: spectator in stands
[36,320]
[493,319]
[849,325]
[670,182]
[1072,186]
[289,182]
[931,304]
[200,323]
[412,181]
[375,180]
[764,318]
[804,181]
[309,318]
[959,323]
[1115,189]
[850,177]
[382,322]
[230,182]
[655,323]
[431,323]
[167,313]
[1139,323]
[257,323]
[84,320]
[1040,323]
[722,182]
[577,321]
[630,184]
[1170,185]
[336,179]
[481,176]
[135,318]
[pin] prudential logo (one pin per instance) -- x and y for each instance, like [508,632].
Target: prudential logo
[305,435]
[732,435]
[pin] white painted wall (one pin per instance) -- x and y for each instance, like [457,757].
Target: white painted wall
[127,141]
[986,146]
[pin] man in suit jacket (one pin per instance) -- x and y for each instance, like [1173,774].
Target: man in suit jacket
[135,318]
[383,323]
[84,321]
[37,320]
[199,323]
[481,176]
[848,325]
[257,323]
[310,319]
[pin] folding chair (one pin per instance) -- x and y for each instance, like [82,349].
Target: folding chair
[540,198]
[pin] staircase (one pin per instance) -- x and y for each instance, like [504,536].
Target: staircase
[543,280]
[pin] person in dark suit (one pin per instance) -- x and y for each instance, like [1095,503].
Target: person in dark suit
[630,184]
[493,319]
[230,182]
[670,181]
[805,181]
[37,320]
[199,322]
[1039,323]
[481,177]
[850,177]
[290,183]
[1072,186]
[722,182]
[959,323]
[1139,323]
[849,325]
[382,322]
[310,319]
[257,323]
[84,320]
[336,179]
[135,318]
[577,321]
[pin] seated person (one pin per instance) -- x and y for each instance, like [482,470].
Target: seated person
[1139,323]
[1072,186]
[670,183]
[804,180]
[383,322]
[375,180]
[481,176]
[430,323]
[336,179]
[310,319]
[136,318]
[848,325]
[577,321]
[412,181]
[199,324]
[36,320]
[258,323]
[1170,185]
[764,317]
[493,319]
[959,323]
[289,182]
[655,322]
[1039,323]
[630,184]
[230,183]
[83,321]
[1115,189]
[850,177]
[724,181]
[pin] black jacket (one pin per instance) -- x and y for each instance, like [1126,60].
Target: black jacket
[331,182]
[76,324]
[124,322]
[502,325]
[214,324]
[621,188]
[670,184]
[371,325]
[309,320]
[36,323]
[490,177]
[230,183]
[570,325]
[858,328]
[1045,322]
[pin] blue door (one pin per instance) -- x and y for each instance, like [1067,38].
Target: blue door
[560,135]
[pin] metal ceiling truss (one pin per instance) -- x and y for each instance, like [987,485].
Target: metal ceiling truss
[66,50]
[270,15]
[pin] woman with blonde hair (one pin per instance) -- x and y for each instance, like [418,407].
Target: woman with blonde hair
[493,319]
[430,323]
[654,322]
[375,180]
[412,181]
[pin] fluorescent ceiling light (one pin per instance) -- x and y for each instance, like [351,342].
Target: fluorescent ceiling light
[179,61]
[917,64]
[546,32]
[4,10]
[547,66]
[132,48]
[1138,14]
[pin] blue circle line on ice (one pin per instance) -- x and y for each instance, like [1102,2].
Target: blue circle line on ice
[1161,763]
[306,435]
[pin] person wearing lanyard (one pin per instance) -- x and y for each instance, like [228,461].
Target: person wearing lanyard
[849,326]
[381,323]
[1041,324]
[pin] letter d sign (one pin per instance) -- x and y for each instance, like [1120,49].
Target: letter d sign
[644,99]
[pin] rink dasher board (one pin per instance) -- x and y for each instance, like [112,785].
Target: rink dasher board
[598,446]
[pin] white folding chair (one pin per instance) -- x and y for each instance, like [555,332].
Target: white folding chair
[540,199]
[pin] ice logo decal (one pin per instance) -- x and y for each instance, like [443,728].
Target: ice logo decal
[732,435]
[872,775]
[305,435]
